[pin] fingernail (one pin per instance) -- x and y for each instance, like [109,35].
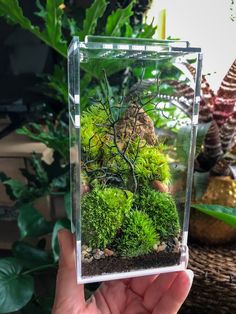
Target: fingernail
[60,238]
[190,275]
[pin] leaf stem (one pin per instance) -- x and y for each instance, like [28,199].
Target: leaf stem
[42,267]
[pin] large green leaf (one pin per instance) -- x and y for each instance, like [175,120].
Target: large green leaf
[226,214]
[53,23]
[11,10]
[16,288]
[30,256]
[118,19]
[93,13]
[31,223]
[60,224]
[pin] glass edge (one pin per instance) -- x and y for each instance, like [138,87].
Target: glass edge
[192,148]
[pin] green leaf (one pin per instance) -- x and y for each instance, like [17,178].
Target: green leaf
[16,187]
[39,170]
[58,84]
[68,205]
[226,214]
[41,13]
[200,182]
[201,134]
[53,23]
[183,142]
[16,288]
[148,31]
[118,19]
[71,25]
[30,256]
[93,13]
[11,10]
[60,224]
[128,30]
[31,223]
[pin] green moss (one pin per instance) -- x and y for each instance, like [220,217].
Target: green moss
[103,211]
[161,208]
[94,132]
[139,235]
[152,164]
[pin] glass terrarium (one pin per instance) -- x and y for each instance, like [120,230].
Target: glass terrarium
[133,107]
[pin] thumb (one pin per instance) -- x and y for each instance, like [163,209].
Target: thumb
[69,296]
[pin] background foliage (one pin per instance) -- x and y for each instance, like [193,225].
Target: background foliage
[60,21]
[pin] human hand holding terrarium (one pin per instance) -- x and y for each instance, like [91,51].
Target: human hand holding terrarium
[131,174]
[151,294]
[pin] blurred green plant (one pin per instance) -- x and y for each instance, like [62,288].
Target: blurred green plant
[54,135]
[223,213]
[42,180]
[59,25]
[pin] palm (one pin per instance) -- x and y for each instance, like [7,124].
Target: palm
[152,294]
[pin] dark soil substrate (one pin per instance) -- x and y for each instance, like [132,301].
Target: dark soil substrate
[119,264]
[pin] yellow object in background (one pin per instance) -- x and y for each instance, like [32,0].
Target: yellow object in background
[161,29]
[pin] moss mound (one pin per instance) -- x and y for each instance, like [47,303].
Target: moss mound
[139,235]
[161,209]
[103,212]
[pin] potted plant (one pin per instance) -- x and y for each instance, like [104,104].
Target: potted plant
[213,219]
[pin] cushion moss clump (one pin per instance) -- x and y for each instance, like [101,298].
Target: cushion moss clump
[139,235]
[152,164]
[94,132]
[161,208]
[103,212]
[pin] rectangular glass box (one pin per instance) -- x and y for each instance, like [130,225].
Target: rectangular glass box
[133,107]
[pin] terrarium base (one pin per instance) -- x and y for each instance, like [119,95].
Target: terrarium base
[114,264]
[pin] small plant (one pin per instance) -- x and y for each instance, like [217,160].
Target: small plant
[161,209]
[103,213]
[139,235]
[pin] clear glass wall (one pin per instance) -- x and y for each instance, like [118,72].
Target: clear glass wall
[133,121]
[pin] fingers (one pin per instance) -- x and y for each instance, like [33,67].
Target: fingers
[140,284]
[157,289]
[66,244]
[174,297]
[69,295]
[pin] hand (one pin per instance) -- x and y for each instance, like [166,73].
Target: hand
[160,294]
